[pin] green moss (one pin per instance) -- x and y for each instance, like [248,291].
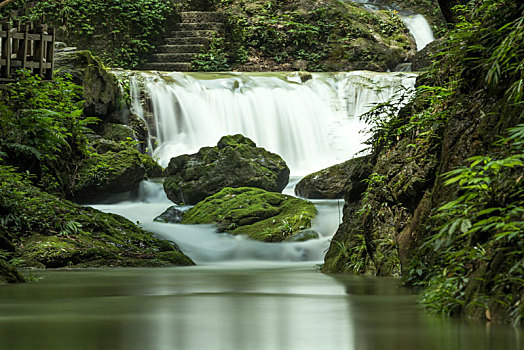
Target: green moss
[153,169]
[258,214]
[111,172]
[117,132]
[52,232]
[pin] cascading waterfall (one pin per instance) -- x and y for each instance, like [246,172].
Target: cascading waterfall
[311,124]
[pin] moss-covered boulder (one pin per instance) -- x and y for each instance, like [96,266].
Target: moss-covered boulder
[337,180]
[8,273]
[234,162]
[258,214]
[102,93]
[52,232]
[108,173]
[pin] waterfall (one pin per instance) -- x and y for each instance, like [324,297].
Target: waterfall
[311,124]
[420,29]
[416,23]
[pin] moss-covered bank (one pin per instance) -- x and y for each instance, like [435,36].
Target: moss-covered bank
[444,204]
[306,35]
[47,231]
[258,214]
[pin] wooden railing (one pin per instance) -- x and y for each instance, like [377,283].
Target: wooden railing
[26,46]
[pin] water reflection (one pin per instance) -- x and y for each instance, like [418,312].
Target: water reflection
[229,306]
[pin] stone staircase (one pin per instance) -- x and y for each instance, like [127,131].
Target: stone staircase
[190,37]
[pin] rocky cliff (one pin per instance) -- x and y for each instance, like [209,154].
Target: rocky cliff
[444,205]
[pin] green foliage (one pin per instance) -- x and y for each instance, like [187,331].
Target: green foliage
[374,183]
[42,119]
[215,59]
[282,32]
[355,254]
[120,32]
[485,217]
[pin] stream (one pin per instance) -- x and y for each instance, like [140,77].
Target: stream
[242,294]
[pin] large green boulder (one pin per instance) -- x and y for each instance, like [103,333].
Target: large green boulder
[109,173]
[258,214]
[234,162]
[334,182]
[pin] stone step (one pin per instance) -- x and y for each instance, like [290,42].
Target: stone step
[201,16]
[192,33]
[172,57]
[180,48]
[217,26]
[168,66]
[190,40]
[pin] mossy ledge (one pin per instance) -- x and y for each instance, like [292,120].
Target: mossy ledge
[51,232]
[258,214]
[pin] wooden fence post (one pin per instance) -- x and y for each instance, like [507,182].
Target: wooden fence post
[50,53]
[6,50]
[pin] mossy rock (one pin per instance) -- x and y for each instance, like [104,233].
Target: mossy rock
[52,232]
[8,274]
[234,162]
[153,169]
[108,173]
[334,182]
[117,132]
[258,214]
[102,94]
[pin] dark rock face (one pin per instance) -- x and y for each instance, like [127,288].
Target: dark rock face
[101,90]
[8,274]
[337,180]
[258,214]
[423,58]
[400,177]
[172,215]
[234,162]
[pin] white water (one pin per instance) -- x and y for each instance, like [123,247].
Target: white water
[420,29]
[312,125]
[201,242]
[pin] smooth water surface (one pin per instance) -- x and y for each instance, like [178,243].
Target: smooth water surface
[229,306]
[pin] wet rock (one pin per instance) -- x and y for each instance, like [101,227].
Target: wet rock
[234,162]
[261,215]
[424,58]
[172,215]
[334,182]
[304,235]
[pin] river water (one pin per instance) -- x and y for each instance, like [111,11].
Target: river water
[233,306]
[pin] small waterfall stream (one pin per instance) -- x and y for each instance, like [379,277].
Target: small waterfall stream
[416,23]
[312,123]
